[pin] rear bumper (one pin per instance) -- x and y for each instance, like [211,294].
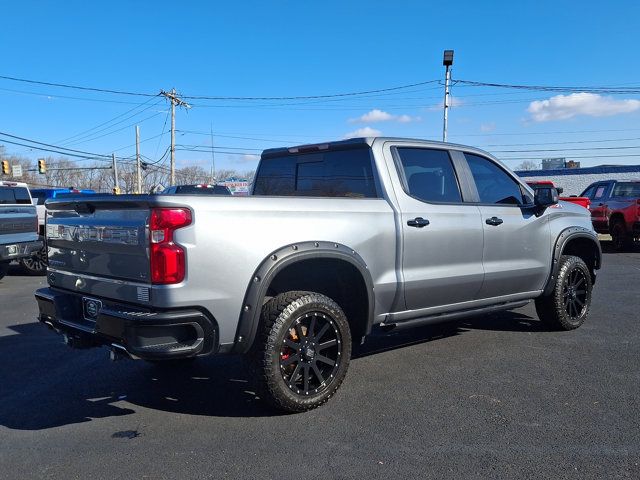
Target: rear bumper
[19,250]
[145,334]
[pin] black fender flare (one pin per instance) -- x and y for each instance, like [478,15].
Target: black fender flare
[275,263]
[568,234]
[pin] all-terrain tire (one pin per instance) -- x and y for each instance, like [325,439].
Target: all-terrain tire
[620,238]
[308,330]
[567,306]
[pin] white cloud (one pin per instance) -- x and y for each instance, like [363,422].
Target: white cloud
[488,127]
[453,103]
[563,107]
[242,158]
[364,132]
[377,115]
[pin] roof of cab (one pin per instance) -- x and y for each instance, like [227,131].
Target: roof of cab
[360,142]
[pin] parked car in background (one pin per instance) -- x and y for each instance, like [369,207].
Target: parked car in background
[18,224]
[199,189]
[615,209]
[335,238]
[36,264]
[582,201]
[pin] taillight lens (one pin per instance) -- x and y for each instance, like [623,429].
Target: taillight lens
[167,258]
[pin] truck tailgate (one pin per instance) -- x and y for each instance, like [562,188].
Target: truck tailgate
[105,236]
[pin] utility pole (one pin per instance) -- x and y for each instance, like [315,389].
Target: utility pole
[116,188]
[447,61]
[138,172]
[175,100]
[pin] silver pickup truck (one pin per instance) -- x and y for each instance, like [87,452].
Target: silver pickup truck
[18,225]
[335,239]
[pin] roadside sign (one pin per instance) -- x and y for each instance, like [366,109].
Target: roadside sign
[236,186]
[16,170]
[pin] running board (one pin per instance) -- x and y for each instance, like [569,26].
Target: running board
[443,317]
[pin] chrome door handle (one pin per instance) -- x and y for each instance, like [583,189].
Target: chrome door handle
[495,221]
[418,222]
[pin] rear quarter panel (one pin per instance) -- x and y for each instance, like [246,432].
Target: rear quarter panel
[231,236]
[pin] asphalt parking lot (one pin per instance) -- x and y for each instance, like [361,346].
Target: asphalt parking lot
[492,397]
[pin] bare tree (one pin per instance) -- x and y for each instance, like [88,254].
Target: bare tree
[528,165]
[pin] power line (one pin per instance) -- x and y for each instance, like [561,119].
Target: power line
[626,147]
[97,155]
[80,134]
[555,88]
[560,143]
[91,139]
[77,87]
[49,96]
[311,97]
[573,156]
[94,157]
[218,97]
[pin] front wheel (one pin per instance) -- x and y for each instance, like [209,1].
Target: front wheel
[302,350]
[567,306]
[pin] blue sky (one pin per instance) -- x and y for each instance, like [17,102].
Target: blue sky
[287,48]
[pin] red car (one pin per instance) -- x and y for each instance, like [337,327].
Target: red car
[615,209]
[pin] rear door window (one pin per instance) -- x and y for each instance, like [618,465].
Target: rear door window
[494,185]
[429,175]
[600,191]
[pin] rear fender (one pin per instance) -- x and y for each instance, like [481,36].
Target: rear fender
[275,263]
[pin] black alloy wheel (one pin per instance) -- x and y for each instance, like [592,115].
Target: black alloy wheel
[574,293]
[302,350]
[35,264]
[310,353]
[566,307]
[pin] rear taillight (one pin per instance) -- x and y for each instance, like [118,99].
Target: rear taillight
[167,258]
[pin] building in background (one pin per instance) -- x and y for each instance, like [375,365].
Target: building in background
[558,163]
[575,180]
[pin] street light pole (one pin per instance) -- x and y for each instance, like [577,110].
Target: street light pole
[447,61]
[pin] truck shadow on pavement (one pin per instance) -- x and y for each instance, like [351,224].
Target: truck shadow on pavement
[44,384]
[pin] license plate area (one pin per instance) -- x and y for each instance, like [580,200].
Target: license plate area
[91,308]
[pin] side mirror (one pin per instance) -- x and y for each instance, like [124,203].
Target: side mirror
[546,196]
[560,190]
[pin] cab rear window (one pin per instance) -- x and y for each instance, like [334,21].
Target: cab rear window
[14,195]
[332,173]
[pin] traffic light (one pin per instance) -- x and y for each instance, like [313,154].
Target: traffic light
[6,169]
[116,190]
[42,166]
